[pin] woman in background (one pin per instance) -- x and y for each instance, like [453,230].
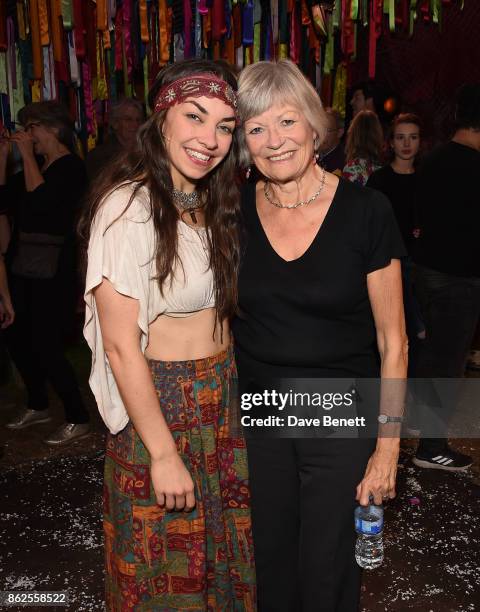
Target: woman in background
[363,149]
[43,201]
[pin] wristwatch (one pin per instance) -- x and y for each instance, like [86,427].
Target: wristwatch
[384,418]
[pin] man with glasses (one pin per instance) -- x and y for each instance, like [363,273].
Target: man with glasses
[125,117]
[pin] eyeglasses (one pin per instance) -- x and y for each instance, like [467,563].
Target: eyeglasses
[30,125]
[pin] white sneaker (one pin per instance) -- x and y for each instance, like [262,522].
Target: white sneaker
[29,417]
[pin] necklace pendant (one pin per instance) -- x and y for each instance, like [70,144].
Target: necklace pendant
[193,216]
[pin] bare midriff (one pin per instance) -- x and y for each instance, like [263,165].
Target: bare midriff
[185,338]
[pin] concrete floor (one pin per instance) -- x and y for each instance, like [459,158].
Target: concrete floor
[51,536]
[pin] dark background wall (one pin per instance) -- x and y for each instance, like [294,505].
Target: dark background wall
[426,70]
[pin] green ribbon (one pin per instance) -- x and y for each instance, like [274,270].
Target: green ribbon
[413,16]
[67,14]
[391,15]
[365,13]
[337,12]
[436,9]
[256,42]
[329,47]
[354,9]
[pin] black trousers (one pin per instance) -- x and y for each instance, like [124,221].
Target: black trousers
[451,311]
[303,500]
[36,343]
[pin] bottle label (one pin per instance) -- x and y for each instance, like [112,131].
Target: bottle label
[368,527]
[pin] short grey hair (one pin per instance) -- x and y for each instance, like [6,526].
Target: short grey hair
[263,84]
[118,107]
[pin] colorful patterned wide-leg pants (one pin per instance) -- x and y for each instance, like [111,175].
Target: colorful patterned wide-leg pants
[159,560]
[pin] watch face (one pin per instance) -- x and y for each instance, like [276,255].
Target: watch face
[382,418]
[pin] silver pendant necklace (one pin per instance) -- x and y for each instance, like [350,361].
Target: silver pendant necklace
[296,204]
[188,202]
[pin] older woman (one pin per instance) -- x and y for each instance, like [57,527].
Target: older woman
[319,293]
[43,202]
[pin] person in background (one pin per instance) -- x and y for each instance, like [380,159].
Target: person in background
[363,98]
[398,181]
[126,116]
[7,314]
[363,148]
[43,202]
[447,273]
[332,153]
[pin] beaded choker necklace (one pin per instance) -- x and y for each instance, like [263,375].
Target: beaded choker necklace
[188,202]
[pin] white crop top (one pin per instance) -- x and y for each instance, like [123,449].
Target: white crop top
[125,254]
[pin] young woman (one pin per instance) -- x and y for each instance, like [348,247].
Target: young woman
[363,149]
[398,181]
[160,288]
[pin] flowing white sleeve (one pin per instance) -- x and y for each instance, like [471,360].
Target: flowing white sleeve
[121,250]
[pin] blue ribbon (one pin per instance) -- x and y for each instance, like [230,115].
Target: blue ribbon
[247,23]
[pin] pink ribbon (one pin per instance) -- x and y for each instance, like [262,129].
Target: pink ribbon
[87,92]
[187,24]
[127,25]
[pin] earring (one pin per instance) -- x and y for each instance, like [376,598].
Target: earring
[248,172]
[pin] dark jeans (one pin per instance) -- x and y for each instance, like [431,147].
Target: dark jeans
[451,310]
[303,500]
[36,344]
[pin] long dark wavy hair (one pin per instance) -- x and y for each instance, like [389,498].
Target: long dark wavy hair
[149,167]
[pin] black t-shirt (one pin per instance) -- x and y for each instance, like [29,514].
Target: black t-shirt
[312,316]
[448,210]
[400,190]
[51,208]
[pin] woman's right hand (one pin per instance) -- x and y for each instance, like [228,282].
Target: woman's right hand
[172,483]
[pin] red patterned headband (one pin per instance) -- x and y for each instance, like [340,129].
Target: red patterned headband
[196,86]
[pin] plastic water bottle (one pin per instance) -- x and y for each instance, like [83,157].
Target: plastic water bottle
[369,527]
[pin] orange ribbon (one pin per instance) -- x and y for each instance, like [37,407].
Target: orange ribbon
[43,19]
[142,7]
[57,37]
[102,16]
[164,37]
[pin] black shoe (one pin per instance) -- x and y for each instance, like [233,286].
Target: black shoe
[448,459]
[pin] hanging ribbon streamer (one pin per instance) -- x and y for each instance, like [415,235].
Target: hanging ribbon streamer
[329,47]
[102,89]
[339,101]
[49,89]
[142,8]
[36,44]
[163,29]
[43,19]
[218,19]
[67,14]
[87,91]
[57,30]
[22,29]
[198,32]
[3,27]
[127,38]
[247,23]
[102,15]
[275,22]
[187,24]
